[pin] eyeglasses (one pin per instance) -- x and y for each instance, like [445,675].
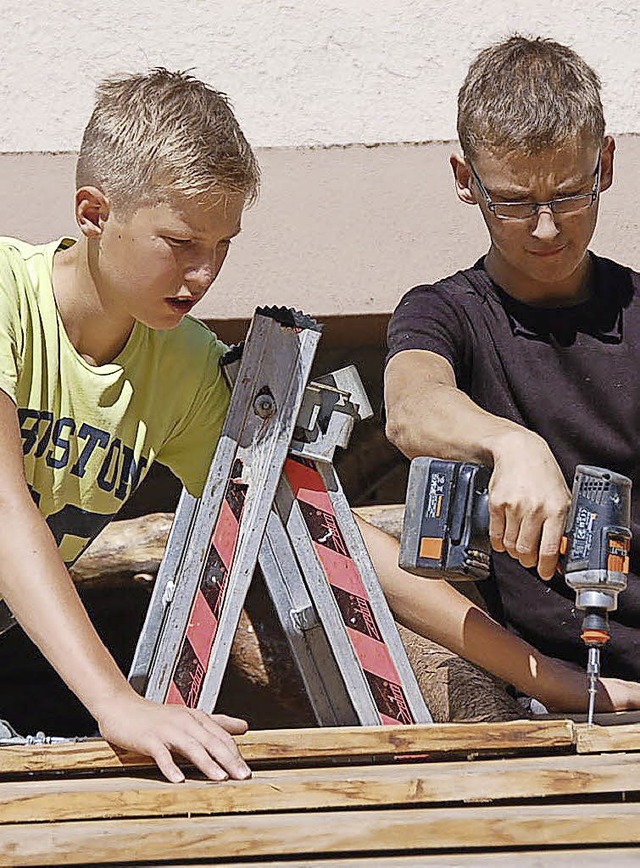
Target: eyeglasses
[527,210]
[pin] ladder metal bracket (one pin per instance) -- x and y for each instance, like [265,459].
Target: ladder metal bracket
[305,619]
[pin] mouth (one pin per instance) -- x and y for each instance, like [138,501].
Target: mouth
[181,305]
[554,251]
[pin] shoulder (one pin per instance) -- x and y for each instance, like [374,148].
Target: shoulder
[194,333]
[16,250]
[452,297]
[15,282]
[12,256]
[186,357]
[24,265]
[610,271]
[438,317]
[456,290]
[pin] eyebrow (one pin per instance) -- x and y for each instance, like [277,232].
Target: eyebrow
[521,194]
[197,236]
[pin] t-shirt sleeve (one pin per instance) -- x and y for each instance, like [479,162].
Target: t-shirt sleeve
[428,318]
[10,329]
[189,451]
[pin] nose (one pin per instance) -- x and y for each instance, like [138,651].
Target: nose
[545,227]
[200,275]
[199,278]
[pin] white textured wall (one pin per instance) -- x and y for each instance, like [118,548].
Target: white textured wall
[300,72]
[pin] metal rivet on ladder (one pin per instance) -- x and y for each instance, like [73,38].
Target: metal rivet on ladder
[264,405]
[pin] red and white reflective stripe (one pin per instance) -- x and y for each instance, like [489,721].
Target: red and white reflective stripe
[193,659]
[349,591]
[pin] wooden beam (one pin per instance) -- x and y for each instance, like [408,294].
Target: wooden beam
[588,858]
[410,785]
[600,739]
[295,834]
[291,745]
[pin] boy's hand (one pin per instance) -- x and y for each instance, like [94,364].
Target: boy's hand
[158,731]
[528,502]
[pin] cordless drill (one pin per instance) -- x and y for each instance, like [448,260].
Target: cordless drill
[446,535]
[594,556]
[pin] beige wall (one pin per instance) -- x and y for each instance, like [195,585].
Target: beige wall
[337,231]
[299,72]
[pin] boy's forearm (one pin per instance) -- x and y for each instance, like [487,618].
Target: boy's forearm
[436,610]
[439,419]
[39,591]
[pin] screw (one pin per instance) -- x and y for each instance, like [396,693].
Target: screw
[264,406]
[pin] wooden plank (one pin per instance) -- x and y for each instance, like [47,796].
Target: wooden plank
[290,745]
[601,718]
[600,739]
[410,785]
[592,858]
[358,832]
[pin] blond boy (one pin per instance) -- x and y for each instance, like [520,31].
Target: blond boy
[101,373]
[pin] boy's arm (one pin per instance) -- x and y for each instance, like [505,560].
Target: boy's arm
[436,610]
[528,498]
[41,595]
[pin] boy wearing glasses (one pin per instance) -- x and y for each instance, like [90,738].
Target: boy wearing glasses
[528,360]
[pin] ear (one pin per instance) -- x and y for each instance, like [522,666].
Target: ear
[92,211]
[606,164]
[463,178]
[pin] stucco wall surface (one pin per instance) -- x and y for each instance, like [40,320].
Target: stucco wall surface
[299,72]
[338,231]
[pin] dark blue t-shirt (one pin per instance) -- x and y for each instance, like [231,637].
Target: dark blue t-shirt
[572,375]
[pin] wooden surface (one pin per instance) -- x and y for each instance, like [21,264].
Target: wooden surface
[410,784]
[531,793]
[280,834]
[290,745]
[592,858]
[599,739]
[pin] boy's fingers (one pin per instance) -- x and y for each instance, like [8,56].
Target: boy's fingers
[528,542]
[220,746]
[227,755]
[511,532]
[496,527]
[163,759]
[234,725]
[552,531]
[199,755]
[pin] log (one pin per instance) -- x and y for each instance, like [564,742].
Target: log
[134,547]
[263,683]
[125,551]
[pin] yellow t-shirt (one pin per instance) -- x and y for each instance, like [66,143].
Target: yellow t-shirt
[90,434]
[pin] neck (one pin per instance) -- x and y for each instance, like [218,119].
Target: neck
[571,290]
[96,333]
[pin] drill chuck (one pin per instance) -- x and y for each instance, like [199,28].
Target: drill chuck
[595,627]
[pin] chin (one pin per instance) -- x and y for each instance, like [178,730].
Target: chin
[551,270]
[162,324]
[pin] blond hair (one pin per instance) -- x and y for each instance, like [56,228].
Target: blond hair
[528,95]
[152,137]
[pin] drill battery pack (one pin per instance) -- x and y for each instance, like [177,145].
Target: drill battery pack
[446,521]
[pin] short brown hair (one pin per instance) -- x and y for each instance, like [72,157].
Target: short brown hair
[527,95]
[162,134]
